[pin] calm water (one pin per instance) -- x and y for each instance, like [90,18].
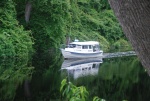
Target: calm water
[113,79]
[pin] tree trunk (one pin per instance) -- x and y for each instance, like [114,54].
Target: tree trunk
[134,17]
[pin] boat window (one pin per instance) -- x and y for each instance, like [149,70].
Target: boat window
[93,65]
[72,46]
[94,48]
[90,46]
[85,47]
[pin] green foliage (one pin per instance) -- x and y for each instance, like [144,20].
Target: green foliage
[91,23]
[122,44]
[98,99]
[73,93]
[48,22]
[14,41]
[52,20]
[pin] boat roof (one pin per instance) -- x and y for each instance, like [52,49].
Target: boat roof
[85,43]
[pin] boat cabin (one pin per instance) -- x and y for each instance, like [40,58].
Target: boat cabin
[83,47]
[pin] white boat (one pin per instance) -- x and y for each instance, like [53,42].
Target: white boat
[82,67]
[87,49]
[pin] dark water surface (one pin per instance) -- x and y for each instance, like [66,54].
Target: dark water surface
[113,79]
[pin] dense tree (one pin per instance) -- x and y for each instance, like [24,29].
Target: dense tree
[51,20]
[14,40]
[134,17]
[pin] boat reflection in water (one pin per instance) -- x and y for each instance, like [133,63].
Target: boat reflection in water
[83,67]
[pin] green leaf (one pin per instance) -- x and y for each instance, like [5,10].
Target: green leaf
[63,83]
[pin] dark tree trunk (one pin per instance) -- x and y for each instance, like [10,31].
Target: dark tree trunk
[27,90]
[134,17]
[28,11]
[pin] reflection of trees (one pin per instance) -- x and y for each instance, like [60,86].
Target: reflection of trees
[119,78]
[45,81]
[12,74]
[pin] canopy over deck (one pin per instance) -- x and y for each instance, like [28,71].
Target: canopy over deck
[86,43]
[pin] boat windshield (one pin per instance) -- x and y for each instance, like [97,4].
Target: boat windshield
[71,45]
[96,48]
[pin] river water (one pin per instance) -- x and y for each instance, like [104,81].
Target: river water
[112,78]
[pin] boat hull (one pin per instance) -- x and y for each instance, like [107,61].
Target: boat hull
[68,54]
[75,62]
[82,67]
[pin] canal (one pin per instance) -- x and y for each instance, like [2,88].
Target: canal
[112,78]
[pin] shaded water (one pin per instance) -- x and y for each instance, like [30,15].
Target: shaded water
[113,79]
